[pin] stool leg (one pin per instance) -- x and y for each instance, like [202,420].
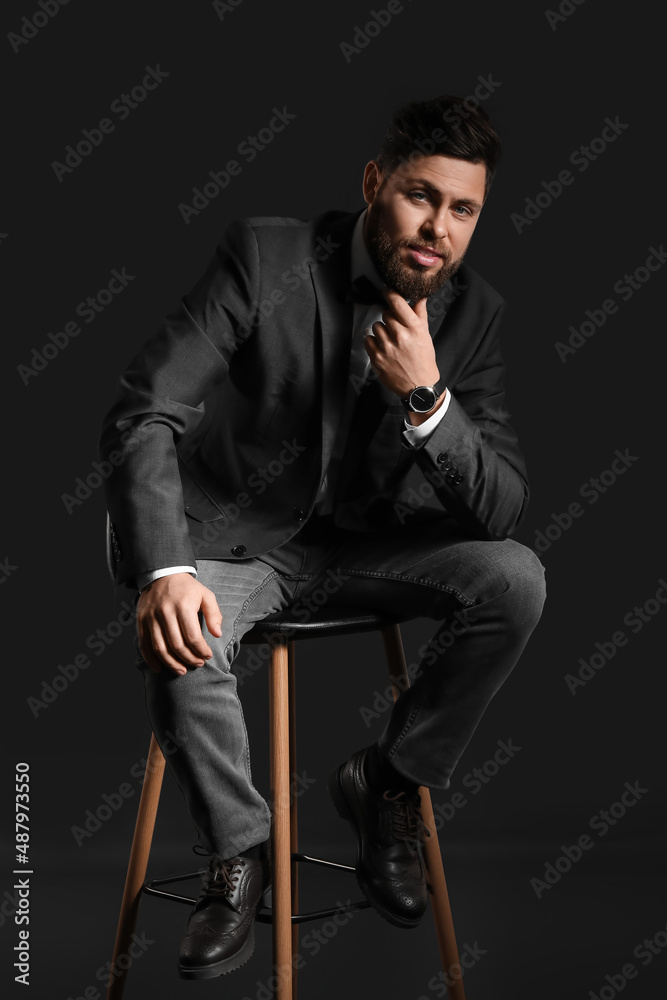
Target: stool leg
[280,797]
[136,869]
[293,819]
[442,914]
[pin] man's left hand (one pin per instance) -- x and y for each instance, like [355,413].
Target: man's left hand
[401,349]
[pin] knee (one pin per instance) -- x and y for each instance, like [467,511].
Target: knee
[527,587]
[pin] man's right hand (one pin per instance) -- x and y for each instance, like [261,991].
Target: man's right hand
[168,624]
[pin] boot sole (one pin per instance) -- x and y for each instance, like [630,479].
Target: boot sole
[346,813]
[224,966]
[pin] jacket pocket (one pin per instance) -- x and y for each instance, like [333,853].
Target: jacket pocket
[197,500]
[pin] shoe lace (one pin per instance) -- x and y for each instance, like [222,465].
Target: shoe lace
[222,876]
[407,822]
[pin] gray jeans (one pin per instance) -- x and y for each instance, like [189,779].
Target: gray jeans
[486,596]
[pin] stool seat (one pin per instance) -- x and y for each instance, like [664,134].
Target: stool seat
[336,621]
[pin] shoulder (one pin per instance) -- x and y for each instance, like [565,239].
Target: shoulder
[475,287]
[270,247]
[272,230]
[467,303]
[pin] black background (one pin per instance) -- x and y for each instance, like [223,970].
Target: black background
[553,89]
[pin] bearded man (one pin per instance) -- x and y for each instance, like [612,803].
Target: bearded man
[263,441]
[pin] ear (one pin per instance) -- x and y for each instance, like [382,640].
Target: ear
[373,178]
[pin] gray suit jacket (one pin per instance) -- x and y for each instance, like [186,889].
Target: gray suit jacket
[224,422]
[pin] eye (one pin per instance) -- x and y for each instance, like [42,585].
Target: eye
[419,195]
[463,210]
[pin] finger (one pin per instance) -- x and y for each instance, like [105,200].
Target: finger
[172,634]
[420,309]
[371,345]
[163,650]
[193,638]
[398,306]
[148,654]
[378,330]
[212,613]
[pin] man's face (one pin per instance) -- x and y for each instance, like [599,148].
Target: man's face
[420,219]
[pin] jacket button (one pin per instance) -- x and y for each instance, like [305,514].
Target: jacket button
[298,513]
[443,456]
[459,479]
[238,550]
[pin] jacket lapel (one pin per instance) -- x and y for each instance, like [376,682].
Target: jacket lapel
[331,280]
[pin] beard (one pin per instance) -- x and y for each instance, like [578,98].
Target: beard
[412,281]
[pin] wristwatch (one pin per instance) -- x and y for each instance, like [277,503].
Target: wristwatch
[423,398]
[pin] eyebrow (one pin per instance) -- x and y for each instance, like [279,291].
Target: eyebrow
[470,202]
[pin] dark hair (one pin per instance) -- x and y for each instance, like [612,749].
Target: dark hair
[446,126]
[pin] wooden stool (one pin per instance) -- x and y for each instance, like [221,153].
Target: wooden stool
[281,632]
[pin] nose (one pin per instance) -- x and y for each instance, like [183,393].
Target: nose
[436,226]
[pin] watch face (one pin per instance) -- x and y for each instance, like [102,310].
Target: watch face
[422,399]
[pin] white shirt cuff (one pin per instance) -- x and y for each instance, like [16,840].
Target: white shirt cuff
[417,434]
[145,578]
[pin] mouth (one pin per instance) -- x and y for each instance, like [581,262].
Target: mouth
[426,256]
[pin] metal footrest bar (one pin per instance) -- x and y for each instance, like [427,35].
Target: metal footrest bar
[264,914]
[150,891]
[164,880]
[323,862]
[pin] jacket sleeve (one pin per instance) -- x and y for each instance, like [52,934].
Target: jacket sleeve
[160,398]
[472,458]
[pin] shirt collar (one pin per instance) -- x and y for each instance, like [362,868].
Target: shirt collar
[361,263]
